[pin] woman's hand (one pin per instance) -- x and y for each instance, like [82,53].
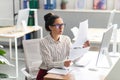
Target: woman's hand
[86,44]
[67,63]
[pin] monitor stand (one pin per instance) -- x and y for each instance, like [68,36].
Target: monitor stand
[114,53]
[104,60]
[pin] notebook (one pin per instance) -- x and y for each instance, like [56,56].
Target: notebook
[59,71]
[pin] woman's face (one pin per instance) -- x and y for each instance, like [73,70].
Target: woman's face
[57,27]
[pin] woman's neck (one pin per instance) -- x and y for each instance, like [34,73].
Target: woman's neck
[55,37]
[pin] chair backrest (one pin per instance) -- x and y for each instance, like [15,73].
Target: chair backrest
[32,55]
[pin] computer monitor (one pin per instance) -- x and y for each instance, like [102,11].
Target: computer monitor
[22,19]
[103,59]
[114,52]
[111,17]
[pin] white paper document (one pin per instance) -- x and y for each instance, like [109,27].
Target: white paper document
[77,53]
[59,71]
[83,61]
[82,34]
[75,31]
[77,49]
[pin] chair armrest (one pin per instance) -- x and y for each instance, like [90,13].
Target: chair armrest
[26,73]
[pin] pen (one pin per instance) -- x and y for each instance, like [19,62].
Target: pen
[78,47]
[63,68]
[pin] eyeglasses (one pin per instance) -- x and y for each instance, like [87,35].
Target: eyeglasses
[58,25]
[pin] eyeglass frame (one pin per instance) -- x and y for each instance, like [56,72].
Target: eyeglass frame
[58,25]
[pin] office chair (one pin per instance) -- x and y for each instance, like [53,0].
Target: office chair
[32,58]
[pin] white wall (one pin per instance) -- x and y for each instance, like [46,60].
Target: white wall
[97,19]
[7,12]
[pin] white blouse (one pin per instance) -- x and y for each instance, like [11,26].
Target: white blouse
[54,52]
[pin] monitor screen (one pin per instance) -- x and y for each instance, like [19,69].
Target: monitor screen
[22,18]
[111,17]
[103,59]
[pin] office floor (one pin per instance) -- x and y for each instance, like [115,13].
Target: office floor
[11,70]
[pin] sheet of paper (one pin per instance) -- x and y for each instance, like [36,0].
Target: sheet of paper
[77,53]
[82,34]
[75,31]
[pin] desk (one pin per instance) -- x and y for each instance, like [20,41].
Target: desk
[83,73]
[58,77]
[11,33]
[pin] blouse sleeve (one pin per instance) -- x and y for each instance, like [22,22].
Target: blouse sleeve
[68,43]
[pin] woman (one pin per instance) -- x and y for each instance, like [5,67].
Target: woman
[55,46]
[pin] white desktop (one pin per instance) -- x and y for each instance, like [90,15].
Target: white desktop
[22,20]
[103,55]
[114,40]
[114,34]
[111,18]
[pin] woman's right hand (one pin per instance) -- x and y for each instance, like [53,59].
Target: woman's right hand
[67,63]
[86,44]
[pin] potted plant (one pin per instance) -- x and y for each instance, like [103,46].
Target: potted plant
[3,60]
[63,4]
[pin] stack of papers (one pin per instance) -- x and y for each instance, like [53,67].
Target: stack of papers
[75,31]
[81,35]
[59,71]
[76,53]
